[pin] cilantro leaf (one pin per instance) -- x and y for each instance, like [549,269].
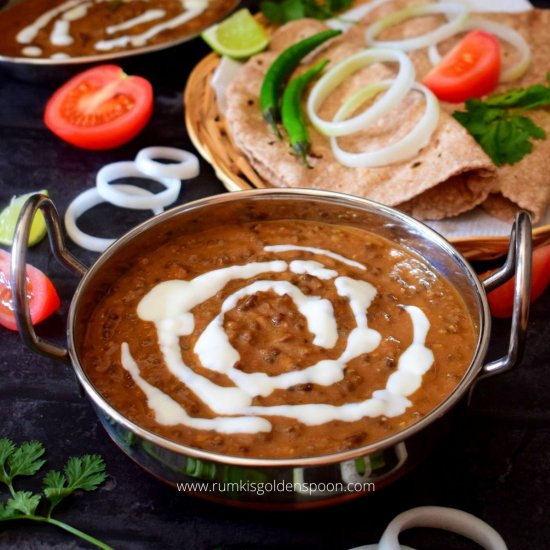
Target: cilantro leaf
[7,447]
[53,480]
[272,12]
[499,123]
[533,97]
[281,12]
[6,512]
[290,10]
[55,489]
[24,461]
[24,502]
[86,472]
[338,5]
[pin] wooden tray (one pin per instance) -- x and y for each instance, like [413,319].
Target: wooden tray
[208,132]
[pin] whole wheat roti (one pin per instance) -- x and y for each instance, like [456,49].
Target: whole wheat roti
[451,158]
[525,184]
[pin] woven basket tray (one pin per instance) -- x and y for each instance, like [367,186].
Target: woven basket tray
[207,129]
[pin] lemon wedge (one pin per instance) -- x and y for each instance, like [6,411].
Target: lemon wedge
[8,220]
[239,36]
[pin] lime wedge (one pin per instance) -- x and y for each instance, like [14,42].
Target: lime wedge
[239,36]
[8,219]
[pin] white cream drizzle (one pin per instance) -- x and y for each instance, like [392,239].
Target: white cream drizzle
[60,34]
[149,15]
[170,413]
[28,34]
[216,352]
[78,12]
[32,51]
[76,9]
[391,401]
[138,40]
[175,299]
[315,269]
[333,255]
[169,305]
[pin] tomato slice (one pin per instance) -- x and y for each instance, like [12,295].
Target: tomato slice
[501,299]
[470,69]
[43,298]
[100,108]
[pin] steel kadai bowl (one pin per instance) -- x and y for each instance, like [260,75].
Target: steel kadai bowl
[297,482]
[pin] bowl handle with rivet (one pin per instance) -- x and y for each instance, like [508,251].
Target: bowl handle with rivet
[19,260]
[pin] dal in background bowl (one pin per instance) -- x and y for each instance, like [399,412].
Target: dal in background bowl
[53,68]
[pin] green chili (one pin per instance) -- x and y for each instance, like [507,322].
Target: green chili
[292,113]
[280,70]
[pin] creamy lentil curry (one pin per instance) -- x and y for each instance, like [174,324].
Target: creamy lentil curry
[74,28]
[278,339]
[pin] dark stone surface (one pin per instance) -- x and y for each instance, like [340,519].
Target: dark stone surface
[494,463]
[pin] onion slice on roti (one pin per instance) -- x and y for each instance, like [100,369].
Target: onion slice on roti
[452,151]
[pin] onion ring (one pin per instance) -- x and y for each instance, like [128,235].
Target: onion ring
[328,82]
[186,166]
[448,519]
[88,199]
[119,196]
[403,149]
[505,33]
[425,40]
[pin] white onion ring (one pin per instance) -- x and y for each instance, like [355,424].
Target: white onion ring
[425,40]
[186,166]
[88,199]
[403,149]
[328,82]
[120,196]
[504,33]
[438,517]
[448,519]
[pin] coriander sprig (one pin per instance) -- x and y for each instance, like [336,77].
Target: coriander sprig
[289,10]
[80,473]
[500,125]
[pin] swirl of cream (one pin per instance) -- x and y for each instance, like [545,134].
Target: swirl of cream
[169,306]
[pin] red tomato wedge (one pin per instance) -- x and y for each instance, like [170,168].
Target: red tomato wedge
[470,69]
[100,108]
[43,298]
[501,299]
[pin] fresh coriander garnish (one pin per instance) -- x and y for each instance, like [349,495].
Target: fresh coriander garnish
[500,125]
[85,473]
[289,10]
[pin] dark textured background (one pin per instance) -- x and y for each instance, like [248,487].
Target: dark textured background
[494,463]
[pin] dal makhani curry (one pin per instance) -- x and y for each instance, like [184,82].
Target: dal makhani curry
[278,339]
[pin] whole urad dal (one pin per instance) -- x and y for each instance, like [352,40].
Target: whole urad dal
[278,339]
